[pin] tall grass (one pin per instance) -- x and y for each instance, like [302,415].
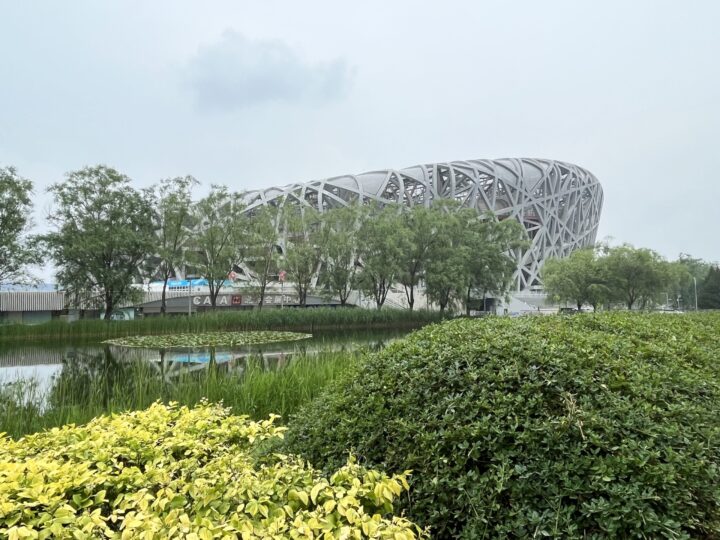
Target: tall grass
[100,385]
[302,320]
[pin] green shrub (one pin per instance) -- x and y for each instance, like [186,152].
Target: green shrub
[170,472]
[592,426]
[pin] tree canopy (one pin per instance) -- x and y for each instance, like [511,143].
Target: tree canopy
[579,278]
[103,231]
[16,249]
[218,236]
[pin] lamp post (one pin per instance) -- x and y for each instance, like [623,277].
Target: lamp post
[695,283]
[190,278]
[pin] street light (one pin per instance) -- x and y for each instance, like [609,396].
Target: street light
[190,278]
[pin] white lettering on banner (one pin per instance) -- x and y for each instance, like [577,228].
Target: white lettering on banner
[206,301]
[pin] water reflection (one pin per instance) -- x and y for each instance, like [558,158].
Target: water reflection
[75,375]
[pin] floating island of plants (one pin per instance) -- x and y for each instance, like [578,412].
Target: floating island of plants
[208,339]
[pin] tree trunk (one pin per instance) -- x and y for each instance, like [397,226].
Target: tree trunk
[579,305]
[467,301]
[162,299]
[109,307]
[261,299]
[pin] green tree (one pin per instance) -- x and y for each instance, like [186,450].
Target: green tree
[104,230]
[219,229]
[493,248]
[339,250]
[685,288]
[423,230]
[635,274]
[16,249]
[303,252]
[172,221]
[380,247]
[709,292]
[447,270]
[578,278]
[261,247]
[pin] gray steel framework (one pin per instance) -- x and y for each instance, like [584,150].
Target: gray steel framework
[558,203]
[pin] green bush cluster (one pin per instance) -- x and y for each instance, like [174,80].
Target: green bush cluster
[593,426]
[173,472]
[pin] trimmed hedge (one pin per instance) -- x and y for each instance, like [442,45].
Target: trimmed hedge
[170,472]
[591,426]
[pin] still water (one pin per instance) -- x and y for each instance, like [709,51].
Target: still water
[36,374]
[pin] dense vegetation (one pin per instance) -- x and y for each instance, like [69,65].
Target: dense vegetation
[631,277]
[592,426]
[93,383]
[171,472]
[300,320]
[107,236]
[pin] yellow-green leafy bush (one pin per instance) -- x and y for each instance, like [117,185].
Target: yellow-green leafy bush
[174,472]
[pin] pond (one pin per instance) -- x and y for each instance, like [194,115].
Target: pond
[44,386]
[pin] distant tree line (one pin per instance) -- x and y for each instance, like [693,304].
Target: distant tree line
[632,277]
[108,236]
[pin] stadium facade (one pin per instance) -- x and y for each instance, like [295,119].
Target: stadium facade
[558,203]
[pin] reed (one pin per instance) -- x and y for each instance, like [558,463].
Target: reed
[299,320]
[98,386]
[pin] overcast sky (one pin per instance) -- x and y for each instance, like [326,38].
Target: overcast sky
[255,94]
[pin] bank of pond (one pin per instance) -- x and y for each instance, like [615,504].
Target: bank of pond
[591,426]
[310,320]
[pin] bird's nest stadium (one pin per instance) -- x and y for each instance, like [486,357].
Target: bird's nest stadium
[558,203]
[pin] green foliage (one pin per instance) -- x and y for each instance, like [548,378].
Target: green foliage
[95,382]
[338,275]
[709,294]
[104,230]
[299,320]
[217,235]
[193,473]
[635,274]
[595,426]
[380,242]
[261,247]
[173,220]
[15,209]
[425,230]
[208,339]
[303,251]
[477,256]
[684,292]
[579,278]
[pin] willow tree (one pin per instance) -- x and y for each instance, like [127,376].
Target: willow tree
[579,278]
[303,250]
[218,231]
[423,230]
[173,221]
[380,245]
[340,251]
[260,246]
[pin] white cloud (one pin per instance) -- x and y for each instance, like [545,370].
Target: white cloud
[237,72]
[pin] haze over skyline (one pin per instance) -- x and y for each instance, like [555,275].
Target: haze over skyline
[259,94]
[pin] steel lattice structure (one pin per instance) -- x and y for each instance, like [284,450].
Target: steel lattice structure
[558,203]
